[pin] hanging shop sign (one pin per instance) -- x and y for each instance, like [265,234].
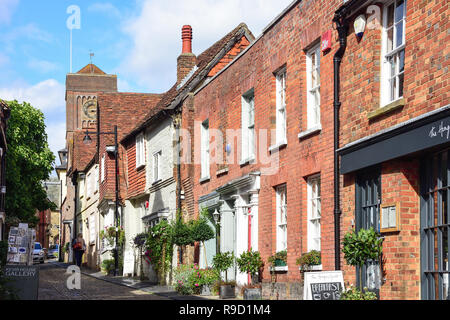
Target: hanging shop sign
[325,285]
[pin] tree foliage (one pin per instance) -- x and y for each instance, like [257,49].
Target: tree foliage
[29,162]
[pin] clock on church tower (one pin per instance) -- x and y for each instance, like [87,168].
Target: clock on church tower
[90,109]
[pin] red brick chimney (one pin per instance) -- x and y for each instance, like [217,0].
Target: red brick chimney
[187,60]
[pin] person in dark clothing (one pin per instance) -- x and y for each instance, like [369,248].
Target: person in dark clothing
[79,247]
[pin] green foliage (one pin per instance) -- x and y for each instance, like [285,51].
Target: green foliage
[201,230]
[109,233]
[3,253]
[159,245]
[30,161]
[250,262]
[223,261]
[182,233]
[66,247]
[355,294]
[362,246]
[108,265]
[189,279]
[312,258]
[280,256]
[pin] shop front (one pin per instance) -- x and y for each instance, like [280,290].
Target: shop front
[400,180]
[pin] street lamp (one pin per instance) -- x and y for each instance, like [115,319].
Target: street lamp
[114,150]
[216,217]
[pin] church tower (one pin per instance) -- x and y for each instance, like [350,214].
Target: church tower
[82,89]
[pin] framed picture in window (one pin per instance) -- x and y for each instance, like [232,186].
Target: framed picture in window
[390,217]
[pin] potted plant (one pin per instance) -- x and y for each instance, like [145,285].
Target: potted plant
[139,242]
[360,247]
[222,262]
[310,261]
[251,262]
[279,259]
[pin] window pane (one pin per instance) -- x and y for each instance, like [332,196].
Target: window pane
[399,34]
[399,10]
[390,15]
[390,40]
[401,67]
[401,79]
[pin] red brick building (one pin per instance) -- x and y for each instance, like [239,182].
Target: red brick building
[279,167]
[394,122]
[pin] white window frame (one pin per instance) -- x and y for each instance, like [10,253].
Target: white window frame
[391,74]
[281,118]
[89,185]
[157,166]
[96,181]
[248,127]
[281,218]
[313,89]
[140,150]
[103,168]
[205,145]
[314,213]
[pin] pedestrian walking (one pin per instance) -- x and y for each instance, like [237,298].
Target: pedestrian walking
[79,247]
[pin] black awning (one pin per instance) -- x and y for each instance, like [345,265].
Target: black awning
[419,134]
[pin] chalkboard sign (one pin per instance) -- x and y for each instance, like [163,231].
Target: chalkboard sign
[326,291]
[325,285]
[24,279]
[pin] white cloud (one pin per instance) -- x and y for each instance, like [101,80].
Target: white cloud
[105,8]
[47,95]
[56,137]
[42,66]
[156,33]
[7,8]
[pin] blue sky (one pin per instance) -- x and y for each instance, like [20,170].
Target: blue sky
[139,40]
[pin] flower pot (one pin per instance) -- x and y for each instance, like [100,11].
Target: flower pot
[227,291]
[206,291]
[279,263]
[252,294]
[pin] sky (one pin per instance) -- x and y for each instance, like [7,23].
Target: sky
[138,40]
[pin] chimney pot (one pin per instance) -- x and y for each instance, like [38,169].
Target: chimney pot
[186,36]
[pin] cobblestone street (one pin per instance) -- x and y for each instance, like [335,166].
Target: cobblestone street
[52,286]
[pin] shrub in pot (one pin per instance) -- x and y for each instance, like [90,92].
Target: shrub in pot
[309,259]
[279,259]
[250,262]
[222,262]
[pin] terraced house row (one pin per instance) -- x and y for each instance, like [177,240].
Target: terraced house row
[335,118]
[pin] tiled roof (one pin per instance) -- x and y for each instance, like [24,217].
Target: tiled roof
[91,69]
[204,61]
[82,153]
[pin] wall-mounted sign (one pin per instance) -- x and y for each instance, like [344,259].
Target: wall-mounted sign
[326,41]
[389,218]
[325,285]
[360,25]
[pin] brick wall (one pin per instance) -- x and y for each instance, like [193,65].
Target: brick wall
[426,88]
[220,101]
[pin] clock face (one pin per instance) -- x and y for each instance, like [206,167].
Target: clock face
[90,109]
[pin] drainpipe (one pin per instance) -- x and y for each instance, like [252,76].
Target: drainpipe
[249,237]
[342,28]
[75,184]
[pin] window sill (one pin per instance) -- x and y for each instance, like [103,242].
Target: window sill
[395,105]
[277,147]
[222,171]
[247,161]
[310,132]
[311,268]
[279,269]
[205,179]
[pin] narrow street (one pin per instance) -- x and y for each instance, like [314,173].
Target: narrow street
[52,286]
